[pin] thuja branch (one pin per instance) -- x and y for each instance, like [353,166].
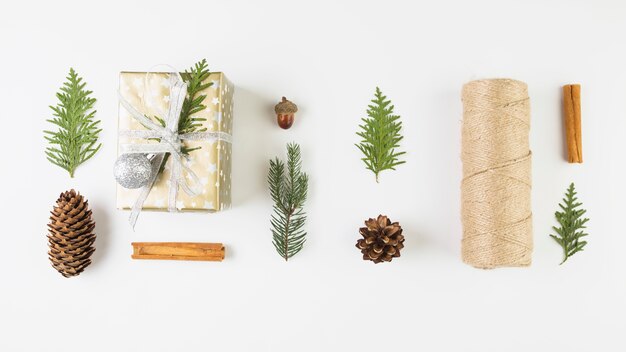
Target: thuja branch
[380,133]
[569,235]
[74,142]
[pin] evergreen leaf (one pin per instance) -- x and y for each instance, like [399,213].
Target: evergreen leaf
[288,189]
[187,123]
[568,234]
[380,135]
[194,77]
[77,131]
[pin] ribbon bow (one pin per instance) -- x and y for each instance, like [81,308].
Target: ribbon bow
[170,142]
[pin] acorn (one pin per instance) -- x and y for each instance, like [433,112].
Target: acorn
[285,113]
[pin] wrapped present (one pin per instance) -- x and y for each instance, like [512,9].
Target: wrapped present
[193,164]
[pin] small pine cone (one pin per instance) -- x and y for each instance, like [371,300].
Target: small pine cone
[382,240]
[70,234]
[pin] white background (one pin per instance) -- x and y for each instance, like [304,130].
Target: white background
[327,57]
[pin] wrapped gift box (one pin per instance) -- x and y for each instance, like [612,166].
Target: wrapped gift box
[149,93]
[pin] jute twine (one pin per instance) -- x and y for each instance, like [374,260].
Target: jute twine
[495,191]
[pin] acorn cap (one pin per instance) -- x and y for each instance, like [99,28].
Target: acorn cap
[286,107]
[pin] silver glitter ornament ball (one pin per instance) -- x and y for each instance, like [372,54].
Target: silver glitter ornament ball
[132,170]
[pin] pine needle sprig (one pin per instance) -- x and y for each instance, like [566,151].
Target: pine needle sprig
[380,134]
[288,189]
[572,223]
[75,140]
[193,104]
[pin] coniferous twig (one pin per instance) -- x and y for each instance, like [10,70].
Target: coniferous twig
[572,225]
[75,140]
[193,104]
[288,189]
[380,135]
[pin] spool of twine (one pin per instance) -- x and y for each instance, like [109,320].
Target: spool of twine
[495,190]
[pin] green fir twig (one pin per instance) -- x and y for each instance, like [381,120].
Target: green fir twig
[380,134]
[288,189]
[74,142]
[572,223]
[193,104]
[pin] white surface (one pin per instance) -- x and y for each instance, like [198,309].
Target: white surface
[327,57]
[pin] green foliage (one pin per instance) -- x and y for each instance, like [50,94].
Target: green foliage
[572,225]
[193,104]
[75,140]
[380,135]
[288,189]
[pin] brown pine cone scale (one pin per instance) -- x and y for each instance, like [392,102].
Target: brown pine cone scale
[382,240]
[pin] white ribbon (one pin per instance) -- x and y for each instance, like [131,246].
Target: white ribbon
[170,142]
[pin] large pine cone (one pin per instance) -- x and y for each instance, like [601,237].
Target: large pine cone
[382,240]
[70,234]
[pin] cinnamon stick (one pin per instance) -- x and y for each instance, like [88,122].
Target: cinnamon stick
[178,251]
[573,131]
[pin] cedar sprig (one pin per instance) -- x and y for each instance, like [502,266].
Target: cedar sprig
[288,188]
[380,134]
[75,140]
[572,223]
